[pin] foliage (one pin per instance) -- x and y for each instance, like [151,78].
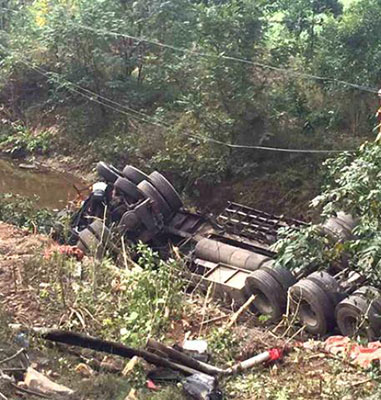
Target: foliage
[21,139]
[303,19]
[223,344]
[351,186]
[128,304]
[22,211]
[78,66]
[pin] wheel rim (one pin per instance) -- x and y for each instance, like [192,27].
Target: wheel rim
[307,314]
[262,304]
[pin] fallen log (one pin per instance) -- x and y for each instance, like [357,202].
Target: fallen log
[106,346]
[184,359]
[190,367]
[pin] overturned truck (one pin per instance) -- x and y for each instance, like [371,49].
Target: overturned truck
[230,251]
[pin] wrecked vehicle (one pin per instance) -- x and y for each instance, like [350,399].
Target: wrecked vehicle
[230,251]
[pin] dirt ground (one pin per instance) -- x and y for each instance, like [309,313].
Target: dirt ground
[302,374]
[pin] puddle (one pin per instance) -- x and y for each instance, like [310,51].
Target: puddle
[54,189]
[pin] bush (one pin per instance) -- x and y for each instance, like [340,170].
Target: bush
[21,211]
[127,304]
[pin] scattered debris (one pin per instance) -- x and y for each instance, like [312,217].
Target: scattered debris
[36,381]
[132,395]
[363,356]
[70,251]
[162,375]
[202,387]
[151,385]
[197,349]
[130,366]
[84,370]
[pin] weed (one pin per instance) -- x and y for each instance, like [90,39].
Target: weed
[223,344]
[113,302]
[21,211]
[22,139]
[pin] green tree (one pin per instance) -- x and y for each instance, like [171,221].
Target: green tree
[304,19]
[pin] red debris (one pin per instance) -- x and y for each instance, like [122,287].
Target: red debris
[360,355]
[70,251]
[151,386]
[275,354]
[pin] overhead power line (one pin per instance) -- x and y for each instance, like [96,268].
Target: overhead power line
[71,86]
[219,56]
[225,57]
[266,148]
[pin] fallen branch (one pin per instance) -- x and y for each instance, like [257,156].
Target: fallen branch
[209,321]
[182,358]
[89,342]
[13,356]
[243,308]
[362,382]
[29,391]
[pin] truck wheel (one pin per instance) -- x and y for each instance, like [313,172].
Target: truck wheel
[313,305]
[128,222]
[89,243]
[350,316]
[134,175]
[281,274]
[129,189]
[151,193]
[328,284]
[106,172]
[270,297]
[166,190]
[365,302]
[100,230]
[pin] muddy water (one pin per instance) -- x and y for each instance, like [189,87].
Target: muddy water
[53,188]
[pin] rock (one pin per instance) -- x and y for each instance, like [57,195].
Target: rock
[36,381]
[130,366]
[112,364]
[28,166]
[133,395]
[84,370]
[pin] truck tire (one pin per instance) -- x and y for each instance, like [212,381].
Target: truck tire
[281,274]
[313,305]
[350,315]
[340,227]
[166,190]
[365,302]
[129,189]
[89,243]
[329,284]
[100,230]
[129,222]
[134,175]
[270,297]
[106,172]
[150,192]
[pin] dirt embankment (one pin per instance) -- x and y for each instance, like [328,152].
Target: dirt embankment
[18,298]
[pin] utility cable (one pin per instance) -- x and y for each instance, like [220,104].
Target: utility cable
[220,56]
[224,57]
[94,96]
[266,148]
[56,78]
